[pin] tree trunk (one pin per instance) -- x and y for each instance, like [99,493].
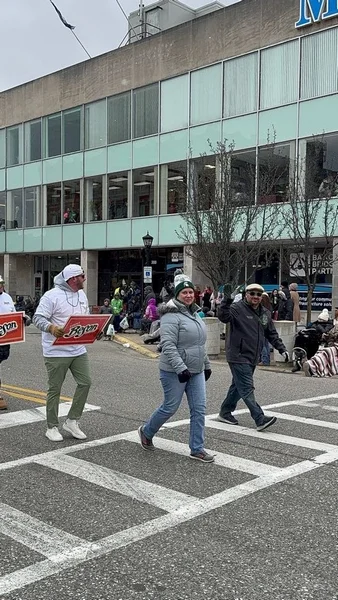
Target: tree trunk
[309,304]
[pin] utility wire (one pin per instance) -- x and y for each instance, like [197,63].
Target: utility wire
[126,17]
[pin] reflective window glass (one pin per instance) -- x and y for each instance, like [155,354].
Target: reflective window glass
[145,107]
[119,115]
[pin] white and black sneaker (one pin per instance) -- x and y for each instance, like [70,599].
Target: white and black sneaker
[227,418]
[267,422]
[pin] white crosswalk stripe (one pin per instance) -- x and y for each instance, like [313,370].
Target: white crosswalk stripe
[63,551]
[34,415]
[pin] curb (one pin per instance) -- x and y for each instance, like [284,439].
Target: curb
[120,339]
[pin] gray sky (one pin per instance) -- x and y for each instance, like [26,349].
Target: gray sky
[34,42]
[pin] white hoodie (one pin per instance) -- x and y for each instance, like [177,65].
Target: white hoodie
[55,307]
[6,303]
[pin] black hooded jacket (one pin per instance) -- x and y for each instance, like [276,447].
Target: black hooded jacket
[248,330]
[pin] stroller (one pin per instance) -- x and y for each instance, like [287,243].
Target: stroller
[307,342]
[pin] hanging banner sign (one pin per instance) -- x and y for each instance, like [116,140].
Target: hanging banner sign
[12,328]
[313,11]
[82,329]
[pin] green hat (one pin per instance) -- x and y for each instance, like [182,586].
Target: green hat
[182,282]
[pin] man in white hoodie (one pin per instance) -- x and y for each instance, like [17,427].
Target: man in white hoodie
[65,299]
[6,306]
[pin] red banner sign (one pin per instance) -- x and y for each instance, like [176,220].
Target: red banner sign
[12,328]
[82,329]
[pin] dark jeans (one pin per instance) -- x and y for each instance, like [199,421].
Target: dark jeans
[242,386]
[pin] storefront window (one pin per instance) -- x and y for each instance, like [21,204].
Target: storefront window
[72,130]
[118,195]
[32,203]
[53,207]
[119,118]
[96,124]
[274,172]
[174,187]
[33,139]
[240,85]
[2,210]
[93,199]
[144,191]
[145,110]
[206,95]
[279,75]
[14,145]
[71,202]
[319,64]
[243,176]
[321,171]
[14,209]
[53,135]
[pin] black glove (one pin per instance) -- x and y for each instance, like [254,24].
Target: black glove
[286,356]
[207,374]
[184,376]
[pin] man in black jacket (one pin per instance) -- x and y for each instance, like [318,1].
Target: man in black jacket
[250,324]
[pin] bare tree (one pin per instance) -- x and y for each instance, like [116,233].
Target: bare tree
[225,228]
[311,215]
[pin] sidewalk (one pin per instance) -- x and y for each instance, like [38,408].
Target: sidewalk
[135,342]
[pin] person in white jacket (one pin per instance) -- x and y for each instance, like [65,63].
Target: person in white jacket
[65,299]
[6,306]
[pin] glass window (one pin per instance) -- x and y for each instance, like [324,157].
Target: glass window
[32,202]
[2,148]
[54,197]
[3,197]
[274,174]
[174,187]
[203,181]
[14,209]
[71,120]
[243,178]
[279,75]
[145,110]
[119,118]
[144,191]
[206,95]
[33,140]
[53,135]
[14,145]
[319,64]
[240,85]
[118,195]
[174,93]
[95,124]
[321,175]
[93,197]
[71,202]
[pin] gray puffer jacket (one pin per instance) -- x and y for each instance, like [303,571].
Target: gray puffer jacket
[183,337]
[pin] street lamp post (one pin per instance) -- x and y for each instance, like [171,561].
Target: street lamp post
[147,243]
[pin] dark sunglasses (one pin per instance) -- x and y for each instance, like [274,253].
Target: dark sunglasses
[258,294]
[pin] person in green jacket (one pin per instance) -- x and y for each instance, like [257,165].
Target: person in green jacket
[117,306]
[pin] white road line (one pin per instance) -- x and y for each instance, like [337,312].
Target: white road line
[164,498]
[37,572]
[33,415]
[36,535]
[323,406]
[271,437]
[223,460]
[305,420]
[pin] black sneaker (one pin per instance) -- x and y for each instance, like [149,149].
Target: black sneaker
[145,442]
[203,457]
[227,418]
[267,421]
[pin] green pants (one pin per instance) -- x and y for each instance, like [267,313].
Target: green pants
[57,367]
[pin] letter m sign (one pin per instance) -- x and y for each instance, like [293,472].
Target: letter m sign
[313,11]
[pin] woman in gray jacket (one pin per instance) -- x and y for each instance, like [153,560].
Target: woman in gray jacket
[184,367]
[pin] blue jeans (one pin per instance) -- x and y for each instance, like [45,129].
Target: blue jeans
[242,386]
[173,394]
[265,355]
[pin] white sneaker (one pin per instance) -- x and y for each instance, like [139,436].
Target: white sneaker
[54,435]
[72,427]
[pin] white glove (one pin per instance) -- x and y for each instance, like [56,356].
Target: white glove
[286,356]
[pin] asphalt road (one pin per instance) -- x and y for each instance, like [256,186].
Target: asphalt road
[102,519]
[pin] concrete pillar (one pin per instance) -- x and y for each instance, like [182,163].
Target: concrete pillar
[89,263]
[213,346]
[10,273]
[25,275]
[192,271]
[286,331]
[334,275]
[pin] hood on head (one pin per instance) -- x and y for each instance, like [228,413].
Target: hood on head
[60,282]
[152,301]
[148,289]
